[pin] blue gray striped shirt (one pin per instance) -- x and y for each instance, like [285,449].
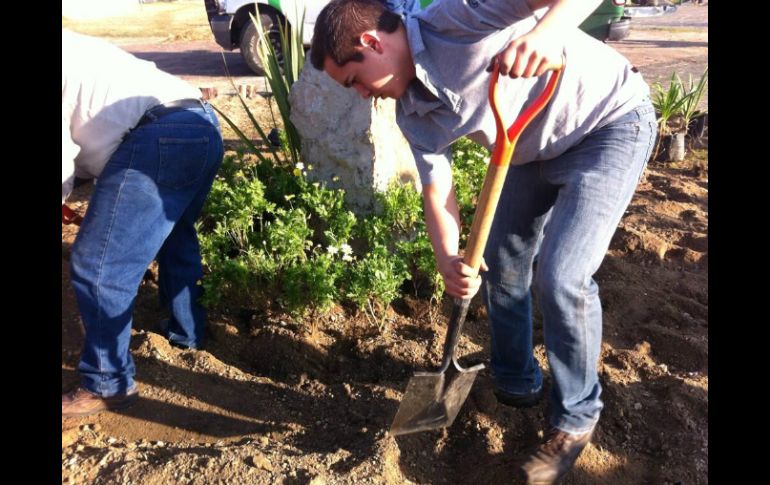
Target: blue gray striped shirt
[452,43]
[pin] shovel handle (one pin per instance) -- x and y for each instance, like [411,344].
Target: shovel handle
[490,194]
[456,320]
[498,165]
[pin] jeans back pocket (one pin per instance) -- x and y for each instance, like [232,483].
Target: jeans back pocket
[182,161]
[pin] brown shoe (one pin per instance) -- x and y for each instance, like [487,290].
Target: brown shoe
[80,402]
[554,457]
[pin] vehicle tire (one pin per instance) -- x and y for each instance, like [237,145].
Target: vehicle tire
[249,37]
[619,30]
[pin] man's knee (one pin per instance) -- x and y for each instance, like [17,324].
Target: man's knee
[551,282]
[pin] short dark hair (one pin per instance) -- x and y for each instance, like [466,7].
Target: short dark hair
[341,23]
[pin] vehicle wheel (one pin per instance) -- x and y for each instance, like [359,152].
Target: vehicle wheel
[619,30]
[249,37]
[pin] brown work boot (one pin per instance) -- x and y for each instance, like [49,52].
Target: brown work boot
[554,457]
[80,402]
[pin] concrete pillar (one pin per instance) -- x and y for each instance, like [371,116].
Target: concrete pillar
[351,143]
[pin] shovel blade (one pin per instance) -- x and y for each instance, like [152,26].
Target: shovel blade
[430,402]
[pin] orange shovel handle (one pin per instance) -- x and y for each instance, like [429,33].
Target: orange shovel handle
[505,142]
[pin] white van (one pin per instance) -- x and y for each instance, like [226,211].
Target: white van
[233,29]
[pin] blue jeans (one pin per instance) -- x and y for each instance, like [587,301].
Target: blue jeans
[144,205]
[582,194]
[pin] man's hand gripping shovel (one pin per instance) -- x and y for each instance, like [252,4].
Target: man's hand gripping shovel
[432,400]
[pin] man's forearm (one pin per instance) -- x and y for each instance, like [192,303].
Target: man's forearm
[442,219]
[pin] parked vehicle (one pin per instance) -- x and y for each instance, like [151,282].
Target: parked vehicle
[608,21]
[231,24]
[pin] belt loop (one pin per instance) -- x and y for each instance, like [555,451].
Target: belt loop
[149,116]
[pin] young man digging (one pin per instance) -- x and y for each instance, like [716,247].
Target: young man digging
[576,166]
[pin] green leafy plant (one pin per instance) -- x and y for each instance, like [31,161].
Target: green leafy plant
[313,283]
[401,226]
[694,94]
[269,236]
[375,281]
[469,168]
[668,103]
[677,105]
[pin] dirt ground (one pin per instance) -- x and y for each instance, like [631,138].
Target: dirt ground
[269,401]
[272,400]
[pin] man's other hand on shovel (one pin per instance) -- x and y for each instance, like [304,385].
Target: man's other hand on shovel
[460,279]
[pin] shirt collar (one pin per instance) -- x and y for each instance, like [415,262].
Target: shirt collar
[426,92]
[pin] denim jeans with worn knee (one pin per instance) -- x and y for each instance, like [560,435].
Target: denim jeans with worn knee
[582,194]
[144,205]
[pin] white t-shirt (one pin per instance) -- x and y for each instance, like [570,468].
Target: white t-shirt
[105,91]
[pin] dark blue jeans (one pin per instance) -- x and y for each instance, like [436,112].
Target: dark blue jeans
[582,195]
[144,205]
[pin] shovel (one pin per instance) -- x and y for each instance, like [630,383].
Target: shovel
[433,399]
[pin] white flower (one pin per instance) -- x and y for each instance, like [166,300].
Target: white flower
[347,257]
[332,250]
[346,249]
[299,166]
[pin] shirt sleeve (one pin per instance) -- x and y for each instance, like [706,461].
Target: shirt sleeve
[468,17]
[432,167]
[69,150]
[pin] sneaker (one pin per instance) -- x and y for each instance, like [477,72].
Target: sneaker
[519,400]
[554,457]
[80,402]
